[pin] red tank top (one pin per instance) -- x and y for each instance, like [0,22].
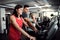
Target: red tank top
[14,34]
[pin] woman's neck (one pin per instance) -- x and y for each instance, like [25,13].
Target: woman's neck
[18,15]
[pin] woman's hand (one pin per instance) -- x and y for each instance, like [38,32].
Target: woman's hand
[32,38]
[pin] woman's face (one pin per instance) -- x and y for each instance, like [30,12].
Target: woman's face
[19,11]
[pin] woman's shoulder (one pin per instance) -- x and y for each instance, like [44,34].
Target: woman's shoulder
[12,16]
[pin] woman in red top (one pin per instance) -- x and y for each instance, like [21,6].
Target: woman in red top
[16,22]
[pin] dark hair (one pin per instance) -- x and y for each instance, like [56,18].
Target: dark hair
[26,6]
[31,14]
[52,15]
[16,7]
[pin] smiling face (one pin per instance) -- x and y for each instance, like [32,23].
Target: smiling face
[19,11]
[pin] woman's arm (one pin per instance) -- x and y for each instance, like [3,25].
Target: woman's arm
[13,21]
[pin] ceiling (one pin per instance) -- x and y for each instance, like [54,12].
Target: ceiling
[40,2]
[11,3]
[54,2]
[23,2]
